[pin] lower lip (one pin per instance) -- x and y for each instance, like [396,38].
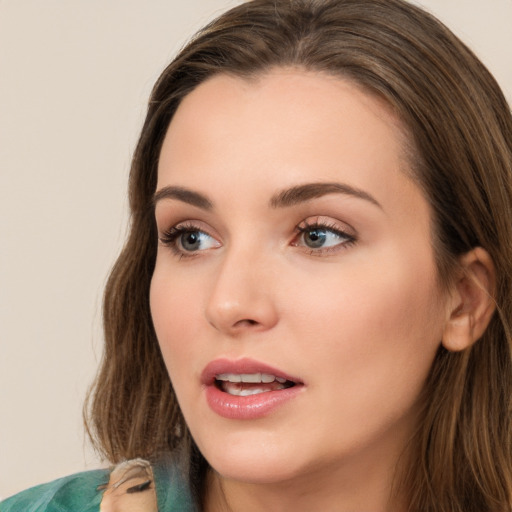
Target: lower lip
[248,407]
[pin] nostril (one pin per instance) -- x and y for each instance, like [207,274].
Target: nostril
[246,322]
[251,310]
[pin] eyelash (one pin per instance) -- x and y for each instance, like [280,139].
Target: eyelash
[307,227]
[170,238]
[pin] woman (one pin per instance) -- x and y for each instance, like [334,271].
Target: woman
[312,310]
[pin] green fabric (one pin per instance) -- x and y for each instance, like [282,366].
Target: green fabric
[78,493]
[75,493]
[172,489]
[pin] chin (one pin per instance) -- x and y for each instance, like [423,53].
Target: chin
[254,462]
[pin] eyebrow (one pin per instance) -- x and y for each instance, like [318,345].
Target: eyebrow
[303,193]
[185,195]
[284,199]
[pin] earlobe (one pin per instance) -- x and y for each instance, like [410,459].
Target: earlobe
[472,304]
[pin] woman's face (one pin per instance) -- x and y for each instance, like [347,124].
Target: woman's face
[293,245]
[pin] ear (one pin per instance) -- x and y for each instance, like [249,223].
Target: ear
[471,304]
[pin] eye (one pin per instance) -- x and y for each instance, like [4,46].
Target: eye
[320,237]
[195,241]
[187,238]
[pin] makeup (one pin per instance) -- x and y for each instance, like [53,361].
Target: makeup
[246,389]
[305,340]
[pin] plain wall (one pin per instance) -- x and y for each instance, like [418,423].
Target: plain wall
[75,76]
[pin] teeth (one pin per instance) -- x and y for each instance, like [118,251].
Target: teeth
[238,389]
[247,392]
[229,377]
[253,378]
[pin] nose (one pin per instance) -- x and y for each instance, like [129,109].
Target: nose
[242,295]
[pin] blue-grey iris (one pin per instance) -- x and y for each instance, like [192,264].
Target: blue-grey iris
[315,238]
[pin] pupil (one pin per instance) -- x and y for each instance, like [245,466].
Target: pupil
[315,238]
[190,241]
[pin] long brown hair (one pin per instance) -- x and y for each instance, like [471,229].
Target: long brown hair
[461,131]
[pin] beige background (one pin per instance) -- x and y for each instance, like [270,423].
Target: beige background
[74,79]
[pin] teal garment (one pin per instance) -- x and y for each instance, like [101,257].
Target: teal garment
[75,493]
[79,493]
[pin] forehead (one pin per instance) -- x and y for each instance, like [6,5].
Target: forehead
[282,128]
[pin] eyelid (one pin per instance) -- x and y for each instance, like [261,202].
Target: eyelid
[179,221]
[341,229]
[327,223]
[169,237]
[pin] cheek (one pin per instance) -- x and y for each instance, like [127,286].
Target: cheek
[371,331]
[397,302]
[174,314]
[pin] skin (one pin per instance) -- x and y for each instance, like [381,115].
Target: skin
[119,498]
[359,322]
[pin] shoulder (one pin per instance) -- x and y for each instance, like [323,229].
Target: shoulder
[133,486]
[138,486]
[78,493]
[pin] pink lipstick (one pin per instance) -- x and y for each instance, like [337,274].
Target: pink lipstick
[245,389]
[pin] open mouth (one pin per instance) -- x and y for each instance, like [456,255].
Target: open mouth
[246,384]
[247,389]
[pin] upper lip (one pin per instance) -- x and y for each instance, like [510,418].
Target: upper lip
[239,366]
